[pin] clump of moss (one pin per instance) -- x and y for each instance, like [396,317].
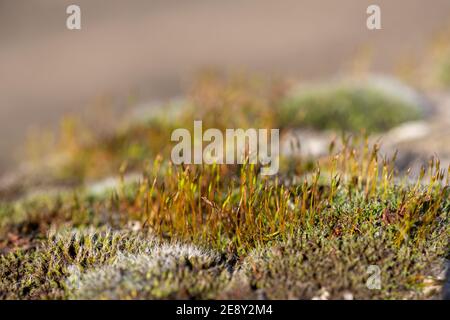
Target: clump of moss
[166,271]
[346,107]
[95,264]
[39,272]
[313,265]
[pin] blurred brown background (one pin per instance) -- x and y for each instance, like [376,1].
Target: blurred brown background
[150,49]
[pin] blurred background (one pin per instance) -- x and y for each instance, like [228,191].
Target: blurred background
[136,51]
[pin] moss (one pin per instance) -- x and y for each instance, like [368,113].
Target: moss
[167,271]
[346,108]
[40,272]
[225,231]
[314,239]
[311,265]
